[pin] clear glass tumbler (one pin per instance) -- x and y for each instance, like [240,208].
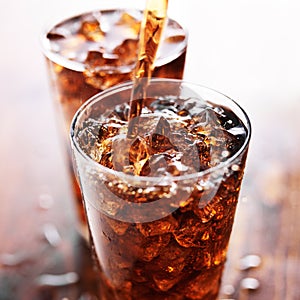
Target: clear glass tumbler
[161,204]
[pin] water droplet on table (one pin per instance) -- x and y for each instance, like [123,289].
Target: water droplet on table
[45,201]
[249,261]
[51,234]
[228,290]
[57,280]
[12,259]
[249,284]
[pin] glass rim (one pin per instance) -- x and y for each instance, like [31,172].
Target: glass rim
[157,179]
[80,66]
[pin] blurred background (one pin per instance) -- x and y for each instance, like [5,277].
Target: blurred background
[247,49]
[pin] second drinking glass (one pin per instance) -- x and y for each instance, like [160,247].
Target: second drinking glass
[88,53]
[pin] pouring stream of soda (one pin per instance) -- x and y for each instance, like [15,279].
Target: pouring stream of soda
[152,26]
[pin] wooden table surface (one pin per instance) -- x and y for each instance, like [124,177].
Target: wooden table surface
[250,50]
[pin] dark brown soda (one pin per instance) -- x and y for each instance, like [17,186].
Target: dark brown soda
[181,254]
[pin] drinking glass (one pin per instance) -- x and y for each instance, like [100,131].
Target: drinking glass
[160,205]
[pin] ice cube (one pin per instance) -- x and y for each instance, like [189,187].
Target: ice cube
[121,148]
[161,104]
[167,270]
[160,137]
[133,246]
[165,282]
[201,260]
[130,19]
[117,226]
[163,226]
[192,232]
[138,154]
[215,143]
[121,112]
[204,121]
[127,52]
[139,273]
[88,138]
[90,28]
[153,246]
[155,166]
[206,212]
[99,58]
[162,127]
[205,285]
